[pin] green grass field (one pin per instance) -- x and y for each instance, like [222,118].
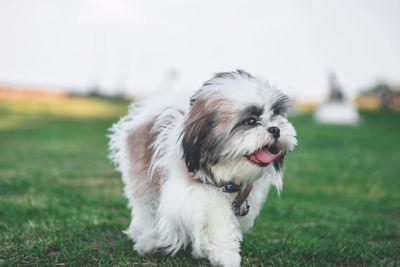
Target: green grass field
[61,201]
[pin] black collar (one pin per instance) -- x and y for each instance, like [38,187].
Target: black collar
[232,187]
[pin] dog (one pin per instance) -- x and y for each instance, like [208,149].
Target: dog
[199,172]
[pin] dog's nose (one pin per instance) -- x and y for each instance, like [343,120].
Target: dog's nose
[274,131]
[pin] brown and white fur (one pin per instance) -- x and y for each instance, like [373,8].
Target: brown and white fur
[174,156]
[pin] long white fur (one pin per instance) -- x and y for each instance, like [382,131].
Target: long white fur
[185,212]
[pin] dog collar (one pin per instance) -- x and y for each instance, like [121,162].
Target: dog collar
[233,187]
[230,187]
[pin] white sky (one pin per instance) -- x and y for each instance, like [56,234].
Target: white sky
[137,44]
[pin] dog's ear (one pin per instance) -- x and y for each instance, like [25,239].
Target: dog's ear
[202,142]
[197,138]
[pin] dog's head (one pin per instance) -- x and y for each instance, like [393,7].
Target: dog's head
[237,128]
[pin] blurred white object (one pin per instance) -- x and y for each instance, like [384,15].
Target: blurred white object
[336,113]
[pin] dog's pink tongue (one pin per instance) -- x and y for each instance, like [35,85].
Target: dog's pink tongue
[265,156]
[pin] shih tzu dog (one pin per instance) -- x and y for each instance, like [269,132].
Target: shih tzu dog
[198,172]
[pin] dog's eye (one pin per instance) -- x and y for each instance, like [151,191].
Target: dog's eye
[250,122]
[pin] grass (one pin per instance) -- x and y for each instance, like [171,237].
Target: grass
[72,107]
[61,201]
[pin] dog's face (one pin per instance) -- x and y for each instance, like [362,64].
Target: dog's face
[237,129]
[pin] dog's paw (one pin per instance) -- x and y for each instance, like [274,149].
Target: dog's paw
[225,259]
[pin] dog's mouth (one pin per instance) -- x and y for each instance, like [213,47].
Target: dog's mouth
[265,155]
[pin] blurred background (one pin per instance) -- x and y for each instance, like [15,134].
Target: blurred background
[69,69]
[133,48]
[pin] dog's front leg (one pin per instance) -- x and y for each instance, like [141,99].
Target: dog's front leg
[220,233]
[202,215]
